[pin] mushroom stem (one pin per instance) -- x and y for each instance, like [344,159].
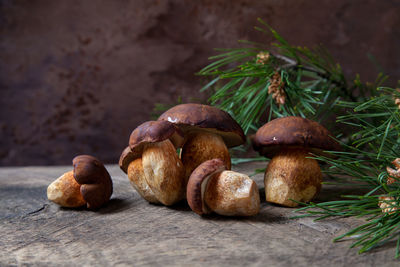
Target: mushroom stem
[232,194]
[65,191]
[164,172]
[292,175]
[138,181]
[200,147]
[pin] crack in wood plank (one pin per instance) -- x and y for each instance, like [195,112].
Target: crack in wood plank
[37,210]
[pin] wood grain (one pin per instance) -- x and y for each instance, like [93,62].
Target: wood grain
[131,232]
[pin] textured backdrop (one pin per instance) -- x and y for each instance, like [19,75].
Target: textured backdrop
[77,76]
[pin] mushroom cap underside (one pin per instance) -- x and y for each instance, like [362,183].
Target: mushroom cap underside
[127,156]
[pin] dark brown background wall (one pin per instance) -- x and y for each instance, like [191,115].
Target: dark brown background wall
[78,76]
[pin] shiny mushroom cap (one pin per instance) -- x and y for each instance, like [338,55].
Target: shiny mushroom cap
[197,117]
[151,132]
[96,184]
[197,184]
[293,132]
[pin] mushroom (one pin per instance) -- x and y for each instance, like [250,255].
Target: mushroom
[152,164]
[209,132]
[89,183]
[292,174]
[212,188]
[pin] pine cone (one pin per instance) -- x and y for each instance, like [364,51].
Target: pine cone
[388,205]
[262,58]
[393,172]
[276,89]
[397,100]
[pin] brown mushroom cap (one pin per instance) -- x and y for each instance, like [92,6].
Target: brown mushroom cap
[197,117]
[293,132]
[197,184]
[96,184]
[151,132]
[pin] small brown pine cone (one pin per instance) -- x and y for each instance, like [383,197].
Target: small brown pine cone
[262,58]
[388,205]
[276,89]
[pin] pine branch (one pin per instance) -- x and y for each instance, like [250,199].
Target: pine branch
[375,146]
[312,82]
[340,84]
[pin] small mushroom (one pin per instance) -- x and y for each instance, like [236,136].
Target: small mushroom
[209,132]
[212,188]
[152,164]
[89,183]
[291,174]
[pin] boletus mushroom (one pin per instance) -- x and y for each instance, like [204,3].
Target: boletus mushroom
[292,174]
[212,188]
[88,184]
[152,163]
[209,132]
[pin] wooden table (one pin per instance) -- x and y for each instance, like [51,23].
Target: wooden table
[131,232]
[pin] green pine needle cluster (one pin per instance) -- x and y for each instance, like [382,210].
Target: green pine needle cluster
[374,145]
[313,82]
[365,117]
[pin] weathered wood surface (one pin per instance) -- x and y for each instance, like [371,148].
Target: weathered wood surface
[131,232]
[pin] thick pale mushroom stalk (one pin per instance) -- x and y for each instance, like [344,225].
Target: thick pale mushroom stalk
[231,193]
[138,181]
[65,191]
[157,175]
[292,175]
[202,146]
[164,171]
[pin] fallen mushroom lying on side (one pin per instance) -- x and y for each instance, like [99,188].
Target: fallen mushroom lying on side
[152,164]
[212,188]
[88,184]
[291,173]
[209,132]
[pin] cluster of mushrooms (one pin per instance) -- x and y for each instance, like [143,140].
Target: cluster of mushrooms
[200,172]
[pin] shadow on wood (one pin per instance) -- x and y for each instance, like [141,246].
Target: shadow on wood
[115,205]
